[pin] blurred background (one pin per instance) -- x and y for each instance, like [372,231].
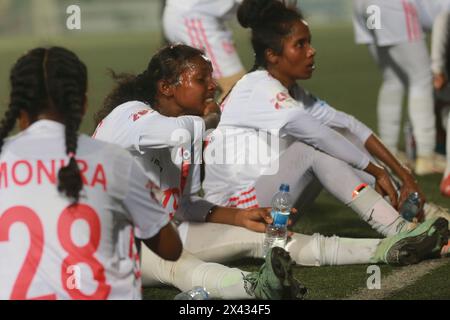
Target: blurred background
[123,35]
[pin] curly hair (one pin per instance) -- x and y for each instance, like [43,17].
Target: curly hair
[167,64]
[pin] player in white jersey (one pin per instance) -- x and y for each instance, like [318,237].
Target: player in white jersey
[202,24]
[166,139]
[393,31]
[268,100]
[70,206]
[148,123]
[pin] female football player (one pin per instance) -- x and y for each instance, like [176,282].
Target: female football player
[310,139]
[157,116]
[70,206]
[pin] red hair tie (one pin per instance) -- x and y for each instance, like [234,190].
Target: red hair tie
[71,155]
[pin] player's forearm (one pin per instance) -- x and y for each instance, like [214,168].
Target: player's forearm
[166,243]
[224,215]
[378,149]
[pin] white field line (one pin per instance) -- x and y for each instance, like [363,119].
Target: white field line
[399,279]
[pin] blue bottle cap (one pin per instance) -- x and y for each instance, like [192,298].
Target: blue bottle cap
[284,187]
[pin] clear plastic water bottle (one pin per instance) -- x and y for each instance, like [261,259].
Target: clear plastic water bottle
[196,293]
[411,206]
[276,233]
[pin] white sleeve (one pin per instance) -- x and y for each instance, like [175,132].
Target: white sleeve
[158,131]
[342,120]
[278,110]
[439,40]
[145,211]
[333,118]
[309,130]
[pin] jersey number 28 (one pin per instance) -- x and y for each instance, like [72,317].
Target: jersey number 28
[75,254]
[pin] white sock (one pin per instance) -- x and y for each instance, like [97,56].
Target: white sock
[423,120]
[188,271]
[221,282]
[389,110]
[318,250]
[378,212]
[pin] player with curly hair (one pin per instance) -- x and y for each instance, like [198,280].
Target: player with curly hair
[157,116]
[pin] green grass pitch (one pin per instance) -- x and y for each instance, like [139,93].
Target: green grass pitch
[346,77]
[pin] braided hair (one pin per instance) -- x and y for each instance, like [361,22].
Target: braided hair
[50,79]
[270,21]
[167,64]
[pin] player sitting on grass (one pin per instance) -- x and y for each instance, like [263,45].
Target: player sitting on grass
[145,114]
[69,205]
[306,130]
[177,84]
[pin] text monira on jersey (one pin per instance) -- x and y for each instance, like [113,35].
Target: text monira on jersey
[23,172]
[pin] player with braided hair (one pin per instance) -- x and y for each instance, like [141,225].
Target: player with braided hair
[46,253]
[178,84]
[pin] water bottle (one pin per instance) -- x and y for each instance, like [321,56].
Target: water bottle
[276,233]
[411,206]
[196,293]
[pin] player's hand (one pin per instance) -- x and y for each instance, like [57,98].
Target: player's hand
[439,80]
[410,186]
[257,219]
[384,184]
[384,187]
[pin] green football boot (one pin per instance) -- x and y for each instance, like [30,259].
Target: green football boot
[274,280]
[409,247]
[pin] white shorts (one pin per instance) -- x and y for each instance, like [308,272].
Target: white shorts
[399,22]
[207,33]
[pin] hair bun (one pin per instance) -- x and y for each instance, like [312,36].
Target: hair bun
[251,12]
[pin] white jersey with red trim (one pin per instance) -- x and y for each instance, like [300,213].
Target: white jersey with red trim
[260,120]
[50,250]
[169,149]
[399,22]
[216,8]
[201,24]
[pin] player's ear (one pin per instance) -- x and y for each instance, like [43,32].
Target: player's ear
[165,88]
[271,56]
